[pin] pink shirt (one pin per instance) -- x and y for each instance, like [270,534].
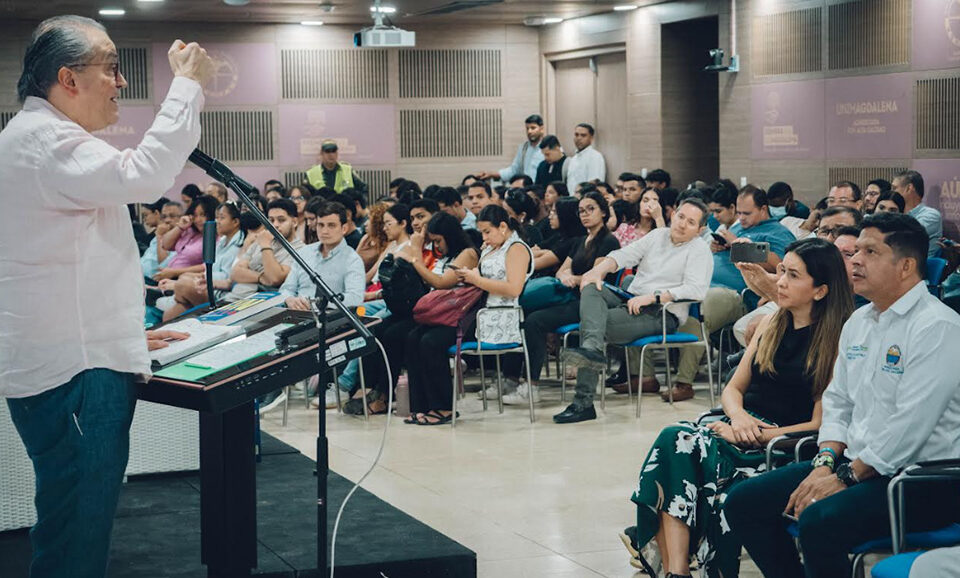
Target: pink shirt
[71,289]
[189,250]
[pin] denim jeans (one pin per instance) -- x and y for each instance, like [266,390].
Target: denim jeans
[78,438]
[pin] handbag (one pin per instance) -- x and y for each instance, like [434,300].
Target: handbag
[544,292]
[447,306]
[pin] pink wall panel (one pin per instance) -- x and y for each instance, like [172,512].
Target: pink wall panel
[941,179]
[936,34]
[246,73]
[129,130]
[364,132]
[869,117]
[787,120]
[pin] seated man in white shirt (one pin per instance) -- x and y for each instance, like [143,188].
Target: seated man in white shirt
[910,186]
[672,264]
[894,400]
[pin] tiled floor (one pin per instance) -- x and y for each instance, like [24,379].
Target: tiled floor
[531,500]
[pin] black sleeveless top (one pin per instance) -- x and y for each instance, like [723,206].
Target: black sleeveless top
[787,397]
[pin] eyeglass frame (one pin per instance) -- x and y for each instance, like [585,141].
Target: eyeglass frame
[113,63]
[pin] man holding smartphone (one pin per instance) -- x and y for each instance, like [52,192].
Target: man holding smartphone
[723,305]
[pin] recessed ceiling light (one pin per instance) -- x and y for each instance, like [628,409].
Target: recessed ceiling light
[625,7]
[312,23]
[383,9]
[149,1]
[112,12]
[552,20]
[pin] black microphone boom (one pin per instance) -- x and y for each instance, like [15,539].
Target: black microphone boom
[324,295]
[209,257]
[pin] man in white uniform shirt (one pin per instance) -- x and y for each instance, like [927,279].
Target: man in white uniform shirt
[588,163]
[71,300]
[894,400]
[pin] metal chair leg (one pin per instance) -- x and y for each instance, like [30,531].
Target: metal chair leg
[713,401]
[562,369]
[499,383]
[306,392]
[363,391]
[286,404]
[643,350]
[457,386]
[336,388]
[483,385]
[857,571]
[666,355]
[526,363]
[626,366]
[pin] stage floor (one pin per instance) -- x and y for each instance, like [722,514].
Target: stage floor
[157,531]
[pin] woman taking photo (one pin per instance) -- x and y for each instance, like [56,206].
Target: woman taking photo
[597,243]
[775,390]
[455,251]
[505,266]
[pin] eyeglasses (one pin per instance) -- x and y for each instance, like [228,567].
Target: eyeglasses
[840,200]
[586,210]
[114,66]
[296,198]
[828,231]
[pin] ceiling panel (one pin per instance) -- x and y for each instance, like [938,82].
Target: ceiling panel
[330,11]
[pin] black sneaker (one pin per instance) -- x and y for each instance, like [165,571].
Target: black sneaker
[574,414]
[588,358]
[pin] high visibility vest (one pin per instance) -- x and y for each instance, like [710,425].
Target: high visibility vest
[344,177]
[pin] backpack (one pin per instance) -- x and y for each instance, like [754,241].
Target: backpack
[402,285]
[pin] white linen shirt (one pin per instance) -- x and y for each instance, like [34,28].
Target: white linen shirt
[683,270]
[71,289]
[895,395]
[584,166]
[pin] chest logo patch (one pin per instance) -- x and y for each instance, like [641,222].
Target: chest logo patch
[892,360]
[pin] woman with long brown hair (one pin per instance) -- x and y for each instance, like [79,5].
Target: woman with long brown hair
[775,390]
[375,241]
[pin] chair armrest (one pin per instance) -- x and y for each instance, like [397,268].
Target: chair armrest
[787,442]
[929,471]
[710,416]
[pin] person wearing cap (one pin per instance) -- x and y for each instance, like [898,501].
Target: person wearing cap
[528,157]
[332,173]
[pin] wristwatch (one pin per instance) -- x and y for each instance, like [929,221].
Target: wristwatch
[846,475]
[656,295]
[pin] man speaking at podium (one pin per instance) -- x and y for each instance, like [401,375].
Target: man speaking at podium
[71,293]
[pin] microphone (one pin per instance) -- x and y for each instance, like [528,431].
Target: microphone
[209,256]
[209,242]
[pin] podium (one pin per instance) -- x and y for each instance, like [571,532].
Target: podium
[225,402]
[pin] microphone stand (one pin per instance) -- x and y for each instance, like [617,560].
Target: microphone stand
[323,298]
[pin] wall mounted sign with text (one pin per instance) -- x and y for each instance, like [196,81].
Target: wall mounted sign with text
[787,120]
[245,73]
[936,34]
[941,179]
[869,117]
[364,133]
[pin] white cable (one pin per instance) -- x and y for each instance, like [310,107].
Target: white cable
[376,460]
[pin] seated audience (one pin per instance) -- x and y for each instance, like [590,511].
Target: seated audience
[190,193]
[566,226]
[910,186]
[871,194]
[845,194]
[479,195]
[450,201]
[723,206]
[332,258]
[276,191]
[187,239]
[151,261]
[722,305]
[672,264]
[455,250]
[218,191]
[668,200]
[308,221]
[265,265]
[775,390]
[894,400]
[300,197]
[505,266]
[360,212]
[585,252]
[520,206]
[353,234]
[782,203]
[890,202]
[374,241]
[408,192]
[396,226]
[658,179]
[190,289]
[649,214]
[835,218]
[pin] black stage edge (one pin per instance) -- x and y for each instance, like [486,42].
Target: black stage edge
[157,531]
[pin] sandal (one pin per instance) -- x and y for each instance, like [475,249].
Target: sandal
[355,405]
[414,419]
[435,415]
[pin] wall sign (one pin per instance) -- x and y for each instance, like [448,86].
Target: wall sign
[364,133]
[869,117]
[787,120]
[245,73]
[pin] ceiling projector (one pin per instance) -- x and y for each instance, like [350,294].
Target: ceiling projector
[384,37]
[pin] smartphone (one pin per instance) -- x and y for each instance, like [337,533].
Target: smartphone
[749,252]
[720,239]
[790,517]
[625,295]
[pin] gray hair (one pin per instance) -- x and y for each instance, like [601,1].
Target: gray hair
[57,42]
[704,210]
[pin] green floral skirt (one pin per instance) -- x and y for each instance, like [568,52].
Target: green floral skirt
[687,475]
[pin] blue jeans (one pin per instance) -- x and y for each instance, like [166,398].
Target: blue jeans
[78,437]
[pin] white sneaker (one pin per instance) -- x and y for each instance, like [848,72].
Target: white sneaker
[330,399]
[274,403]
[522,395]
[509,385]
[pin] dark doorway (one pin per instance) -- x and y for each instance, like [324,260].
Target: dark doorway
[690,101]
